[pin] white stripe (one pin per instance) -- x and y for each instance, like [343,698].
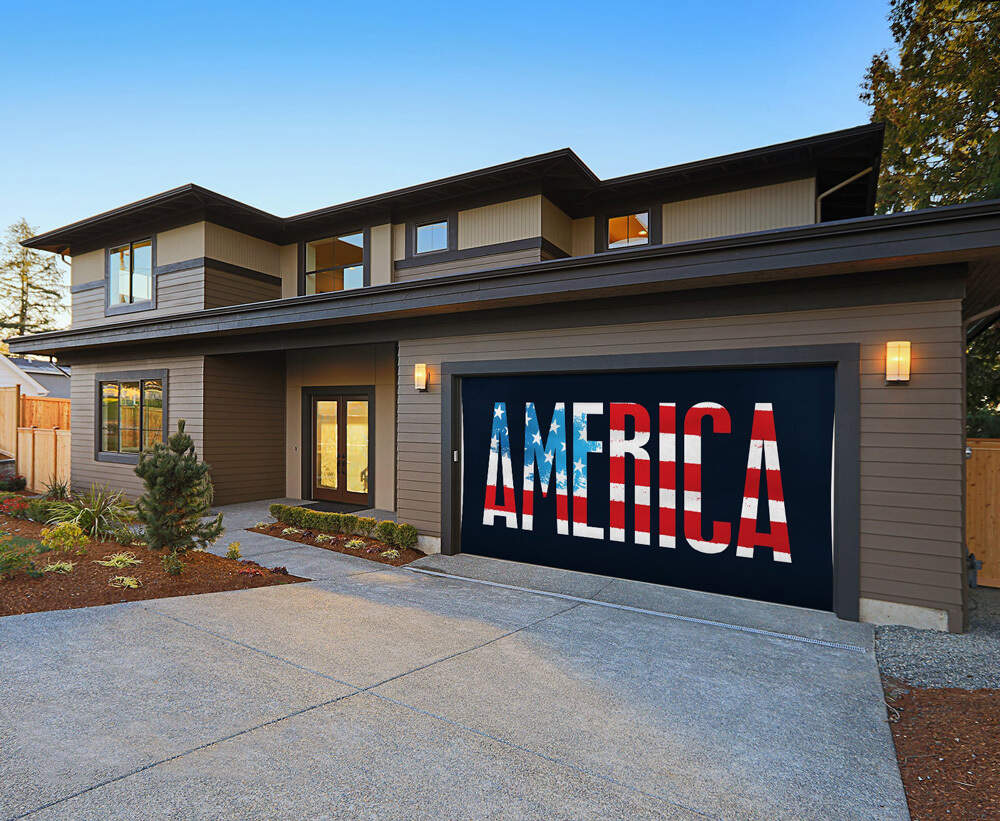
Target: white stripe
[692,501]
[642,495]
[756,454]
[667,541]
[771,454]
[749,508]
[641,537]
[764,406]
[668,497]
[776,510]
[692,448]
[617,534]
[668,445]
[783,557]
[617,492]
[526,521]
[744,552]
[706,547]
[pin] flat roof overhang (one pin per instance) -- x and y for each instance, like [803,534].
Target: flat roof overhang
[966,234]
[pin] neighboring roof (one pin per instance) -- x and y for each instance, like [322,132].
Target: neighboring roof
[964,234]
[561,175]
[40,366]
[21,376]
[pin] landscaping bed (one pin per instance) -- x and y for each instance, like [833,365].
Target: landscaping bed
[89,583]
[384,542]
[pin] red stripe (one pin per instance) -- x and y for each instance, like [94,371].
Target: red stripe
[668,469]
[579,509]
[527,503]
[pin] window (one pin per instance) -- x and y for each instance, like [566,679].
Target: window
[130,273]
[632,229]
[131,415]
[335,264]
[432,237]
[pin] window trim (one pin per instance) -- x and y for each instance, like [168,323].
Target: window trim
[365,258]
[126,376]
[655,236]
[450,219]
[131,307]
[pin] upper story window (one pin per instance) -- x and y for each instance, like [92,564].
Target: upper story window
[432,236]
[335,264]
[631,229]
[130,273]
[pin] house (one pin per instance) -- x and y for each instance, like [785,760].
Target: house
[728,375]
[37,377]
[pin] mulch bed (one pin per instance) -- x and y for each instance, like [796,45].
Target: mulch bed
[338,544]
[88,584]
[947,748]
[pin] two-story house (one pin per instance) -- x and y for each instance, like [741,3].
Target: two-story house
[683,375]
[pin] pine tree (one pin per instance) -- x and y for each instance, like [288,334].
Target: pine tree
[178,495]
[32,286]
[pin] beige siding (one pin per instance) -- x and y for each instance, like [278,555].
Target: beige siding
[740,212]
[468,265]
[380,254]
[398,242]
[184,401]
[354,366]
[224,288]
[236,248]
[87,267]
[583,236]
[288,262]
[911,436]
[245,426]
[179,244]
[501,222]
[557,228]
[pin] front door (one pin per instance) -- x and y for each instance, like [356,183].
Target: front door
[340,447]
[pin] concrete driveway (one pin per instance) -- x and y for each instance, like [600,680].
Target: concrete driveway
[381,693]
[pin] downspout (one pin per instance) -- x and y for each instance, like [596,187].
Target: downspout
[837,187]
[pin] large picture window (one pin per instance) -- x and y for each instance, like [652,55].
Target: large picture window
[131,415]
[130,273]
[335,264]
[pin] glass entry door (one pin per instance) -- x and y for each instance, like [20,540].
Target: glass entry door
[340,448]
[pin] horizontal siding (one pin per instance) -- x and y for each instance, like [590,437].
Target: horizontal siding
[184,401]
[911,436]
[176,292]
[468,265]
[223,288]
[501,222]
[245,426]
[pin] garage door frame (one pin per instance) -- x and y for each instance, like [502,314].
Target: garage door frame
[847,409]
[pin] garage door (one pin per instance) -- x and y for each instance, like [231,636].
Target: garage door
[715,480]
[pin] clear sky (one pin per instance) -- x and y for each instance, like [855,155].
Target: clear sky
[294,106]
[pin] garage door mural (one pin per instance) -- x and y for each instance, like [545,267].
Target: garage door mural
[716,480]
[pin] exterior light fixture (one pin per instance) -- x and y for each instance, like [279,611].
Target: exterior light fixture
[420,376]
[897,362]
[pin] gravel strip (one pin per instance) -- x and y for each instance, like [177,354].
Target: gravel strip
[928,658]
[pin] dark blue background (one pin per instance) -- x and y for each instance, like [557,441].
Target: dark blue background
[803,400]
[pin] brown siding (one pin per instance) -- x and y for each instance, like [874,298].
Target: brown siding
[223,288]
[245,425]
[184,401]
[176,293]
[911,436]
[468,265]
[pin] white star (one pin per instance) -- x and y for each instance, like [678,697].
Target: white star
[537,439]
[563,446]
[561,477]
[498,412]
[554,427]
[583,435]
[578,465]
[549,456]
[506,432]
[494,442]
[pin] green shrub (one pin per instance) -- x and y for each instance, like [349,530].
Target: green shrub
[234,550]
[119,560]
[13,558]
[40,510]
[391,553]
[56,490]
[349,523]
[365,526]
[277,510]
[406,536]
[172,563]
[60,566]
[307,519]
[64,536]
[98,512]
[386,532]
[15,482]
[354,544]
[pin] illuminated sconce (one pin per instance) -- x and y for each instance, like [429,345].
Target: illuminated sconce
[897,361]
[420,376]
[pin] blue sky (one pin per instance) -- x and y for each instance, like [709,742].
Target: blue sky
[295,106]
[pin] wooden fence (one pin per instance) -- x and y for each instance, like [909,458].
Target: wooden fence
[34,431]
[982,507]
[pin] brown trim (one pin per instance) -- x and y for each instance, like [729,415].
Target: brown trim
[127,376]
[414,257]
[436,257]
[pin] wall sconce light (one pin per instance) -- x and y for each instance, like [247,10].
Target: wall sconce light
[420,376]
[897,362]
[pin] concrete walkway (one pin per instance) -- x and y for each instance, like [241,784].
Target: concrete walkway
[380,693]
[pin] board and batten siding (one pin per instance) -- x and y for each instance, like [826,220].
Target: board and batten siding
[911,435]
[739,212]
[500,222]
[185,382]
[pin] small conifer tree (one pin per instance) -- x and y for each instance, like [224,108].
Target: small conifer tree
[178,496]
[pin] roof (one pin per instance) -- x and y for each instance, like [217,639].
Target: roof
[22,377]
[39,366]
[561,175]
[964,236]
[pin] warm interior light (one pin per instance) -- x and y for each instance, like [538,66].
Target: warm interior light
[897,361]
[420,376]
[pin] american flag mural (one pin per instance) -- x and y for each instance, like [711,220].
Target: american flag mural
[693,533]
[582,448]
[500,458]
[636,448]
[668,474]
[763,454]
[550,456]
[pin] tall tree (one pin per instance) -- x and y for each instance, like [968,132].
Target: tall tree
[940,104]
[32,289]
